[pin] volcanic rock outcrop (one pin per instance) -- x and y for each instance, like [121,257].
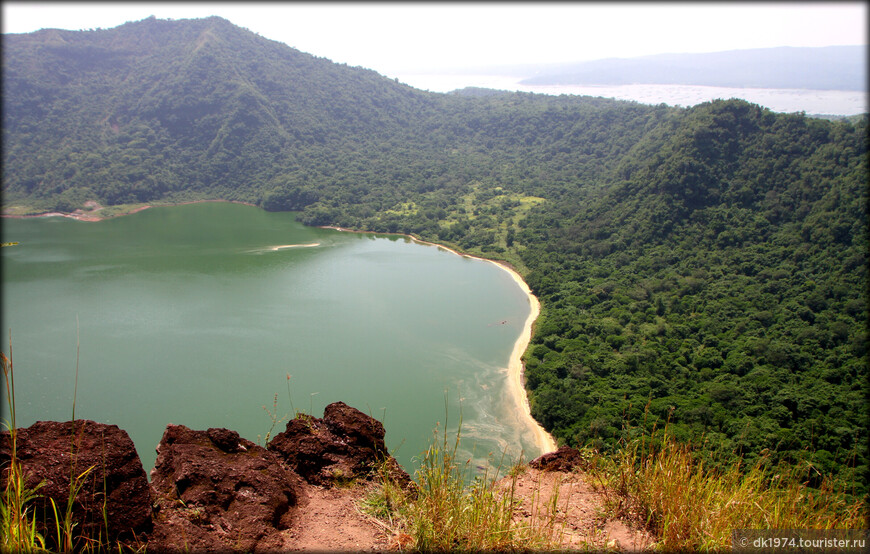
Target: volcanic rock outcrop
[214,490]
[100,459]
[210,490]
[345,444]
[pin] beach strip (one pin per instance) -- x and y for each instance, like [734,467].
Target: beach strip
[543,440]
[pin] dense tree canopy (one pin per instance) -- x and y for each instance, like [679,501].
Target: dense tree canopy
[705,267]
[716,283]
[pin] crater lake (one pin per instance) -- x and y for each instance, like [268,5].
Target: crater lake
[216,314]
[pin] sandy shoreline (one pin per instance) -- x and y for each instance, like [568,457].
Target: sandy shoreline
[78,215]
[516,368]
[543,439]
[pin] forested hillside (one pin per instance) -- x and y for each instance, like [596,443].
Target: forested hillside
[179,109]
[704,266]
[721,281]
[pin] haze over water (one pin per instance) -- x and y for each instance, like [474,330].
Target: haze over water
[196,314]
[830,102]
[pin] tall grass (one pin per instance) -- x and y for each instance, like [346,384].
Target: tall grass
[442,513]
[17,525]
[688,506]
[65,525]
[18,520]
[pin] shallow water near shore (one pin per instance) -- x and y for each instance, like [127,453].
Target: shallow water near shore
[197,314]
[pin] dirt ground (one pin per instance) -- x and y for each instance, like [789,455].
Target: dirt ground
[577,523]
[328,518]
[329,521]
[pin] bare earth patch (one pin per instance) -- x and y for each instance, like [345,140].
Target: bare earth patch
[90,213]
[327,520]
[577,522]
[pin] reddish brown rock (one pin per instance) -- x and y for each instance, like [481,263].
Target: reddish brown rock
[564,459]
[214,490]
[361,431]
[345,444]
[50,451]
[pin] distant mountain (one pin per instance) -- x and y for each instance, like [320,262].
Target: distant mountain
[826,68]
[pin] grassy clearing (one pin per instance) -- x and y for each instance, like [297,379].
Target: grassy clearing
[498,211]
[404,209]
[688,506]
[120,209]
[102,212]
[22,210]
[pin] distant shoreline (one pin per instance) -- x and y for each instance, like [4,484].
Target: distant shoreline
[93,214]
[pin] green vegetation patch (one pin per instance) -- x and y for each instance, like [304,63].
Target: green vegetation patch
[21,210]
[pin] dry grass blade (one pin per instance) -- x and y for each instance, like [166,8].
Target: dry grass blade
[691,507]
[445,514]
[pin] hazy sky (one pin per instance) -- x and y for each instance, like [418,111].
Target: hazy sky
[395,38]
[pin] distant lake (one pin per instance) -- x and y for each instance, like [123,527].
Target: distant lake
[197,314]
[832,102]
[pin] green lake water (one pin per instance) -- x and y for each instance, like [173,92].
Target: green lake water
[187,315]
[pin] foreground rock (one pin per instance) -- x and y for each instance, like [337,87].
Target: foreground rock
[49,452]
[214,490]
[345,444]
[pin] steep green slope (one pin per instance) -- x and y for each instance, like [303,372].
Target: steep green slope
[158,109]
[707,262]
[720,283]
